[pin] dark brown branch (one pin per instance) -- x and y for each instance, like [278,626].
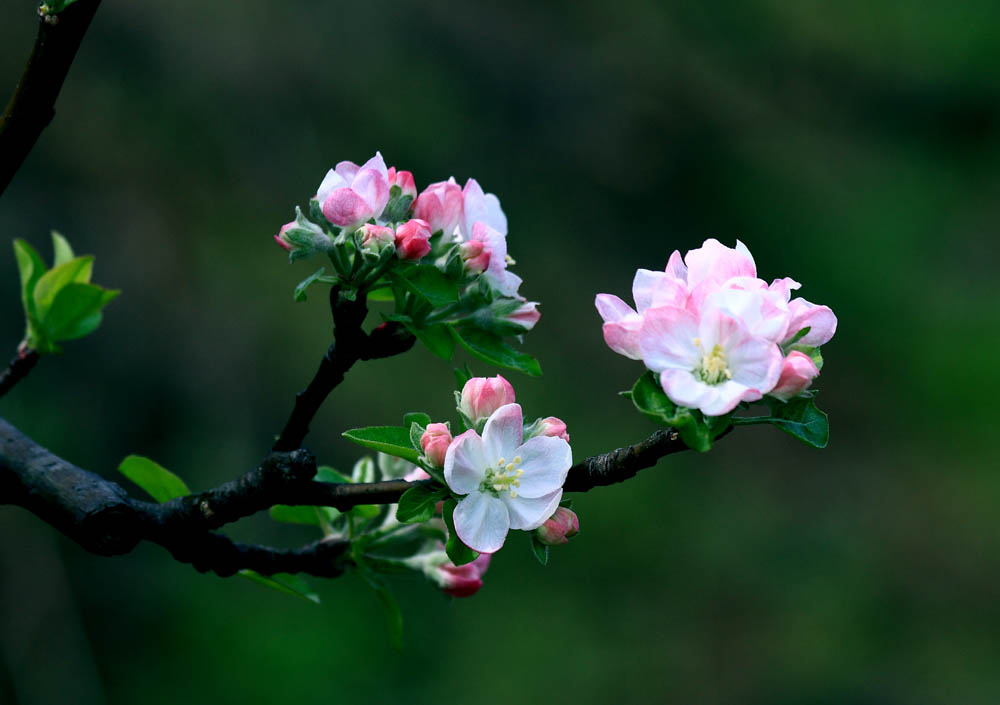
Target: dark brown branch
[17,369]
[350,345]
[32,106]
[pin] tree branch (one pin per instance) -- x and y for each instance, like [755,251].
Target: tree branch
[32,106]
[350,345]
[17,369]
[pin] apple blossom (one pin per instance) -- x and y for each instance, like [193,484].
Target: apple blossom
[412,239]
[797,372]
[482,208]
[559,528]
[476,255]
[550,426]
[481,396]
[434,442]
[440,204]
[507,484]
[403,179]
[494,244]
[352,194]
[710,362]
[622,322]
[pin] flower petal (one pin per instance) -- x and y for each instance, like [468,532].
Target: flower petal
[612,308]
[623,337]
[331,181]
[465,463]
[683,388]
[482,522]
[545,461]
[713,261]
[821,320]
[503,432]
[527,513]
[666,339]
[344,207]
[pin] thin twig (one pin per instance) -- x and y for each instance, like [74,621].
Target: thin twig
[17,369]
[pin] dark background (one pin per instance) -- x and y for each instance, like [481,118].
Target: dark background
[853,146]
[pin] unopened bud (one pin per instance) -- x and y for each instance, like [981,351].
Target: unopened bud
[412,239]
[476,255]
[797,374]
[481,396]
[559,528]
[434,442]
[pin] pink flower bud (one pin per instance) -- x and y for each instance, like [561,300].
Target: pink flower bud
[476,255]
[412,239]
[441,205]
[464,580]
[558,528]
[481,396]
[376,237]
[403,179]
[797,373]
[554,427]
[526,316]
[434,442]
[282,241]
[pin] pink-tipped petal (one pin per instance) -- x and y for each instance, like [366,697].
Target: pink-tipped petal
[667,339]
[612,308]
[713,261]
[623,337]
[821,321]
[344,207]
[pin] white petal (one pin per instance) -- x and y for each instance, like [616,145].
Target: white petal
[465,463]
[667,339]
[545,461]
[503,432]
[612,308]
[723,398]
[331,182]
[683,388]
[530,513]
[482,522]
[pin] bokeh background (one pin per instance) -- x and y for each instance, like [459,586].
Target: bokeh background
[851,145]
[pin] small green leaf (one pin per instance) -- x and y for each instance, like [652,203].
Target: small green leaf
[694,428]
[462,375]
[31,268]
[491,348]
[801,418]
[417,504]
[416,417]
[458,552]
[300,290]
[539,550]
[56,279]
[393,440]
[283,582]
[436,338]
[61,248]
[75,312]
[381,294]
[161,484]
[430,284]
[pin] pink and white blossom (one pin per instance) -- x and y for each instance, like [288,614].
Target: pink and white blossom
[441,205]
[352,194]
[476,255]
[508,484]
[482,208]
[494,245]
[559,528]
[434,442]
[459,580]
[403,179]
[820,320]
[481,396]
[797,372]
[622,322]
[710,362]
[413,239]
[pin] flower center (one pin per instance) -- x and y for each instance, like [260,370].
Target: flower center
[505,477]
[714,368]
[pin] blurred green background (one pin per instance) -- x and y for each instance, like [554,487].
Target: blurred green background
[854,146]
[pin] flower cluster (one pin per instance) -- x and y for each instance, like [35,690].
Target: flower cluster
[369,219]
[511,476]
[715,333]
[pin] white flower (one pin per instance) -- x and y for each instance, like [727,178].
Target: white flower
[508,484]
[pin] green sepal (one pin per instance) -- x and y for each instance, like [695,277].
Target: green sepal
[161,484]
[458,552]
[283,582]
[539,550]
[417,504]
[392,440]
[317,276]
[490,348]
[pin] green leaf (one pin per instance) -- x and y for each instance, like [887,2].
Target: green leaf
[381,294]
[161,484]
[283,582]
[694,428]
[300,290]
[57,278]
[393,440]
[430,284]
[462,375]
[76,311]
[324,473]
[491,348]
[416,417]
[458,552]
[31,268]
[539,550]
[801,418]
[62,249]
[417,504]
[436,338]
[309,516]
